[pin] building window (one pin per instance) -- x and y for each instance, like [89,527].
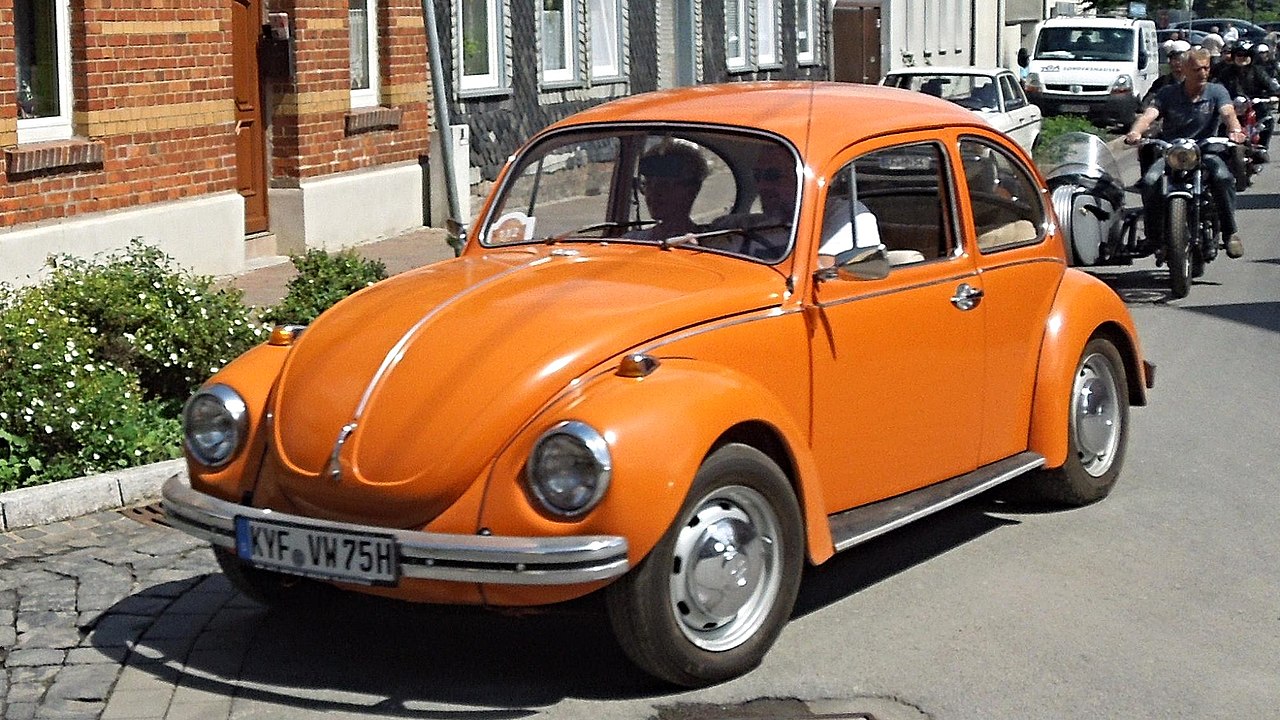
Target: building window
[806,22]
[43,48]
[606,38]
[363,25]
[735,33]
[479,44]
[559,41]
[766,33]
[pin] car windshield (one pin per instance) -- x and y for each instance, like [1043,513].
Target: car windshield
[975,92]
[714,190]
[1085,43]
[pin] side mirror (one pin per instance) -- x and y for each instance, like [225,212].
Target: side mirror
[1024,57]
[457,237]
[866,263]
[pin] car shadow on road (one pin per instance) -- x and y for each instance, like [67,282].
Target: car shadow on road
[877,560]
[346,653]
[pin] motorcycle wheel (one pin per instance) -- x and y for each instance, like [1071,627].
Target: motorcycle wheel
[1240,170]
[1178,253]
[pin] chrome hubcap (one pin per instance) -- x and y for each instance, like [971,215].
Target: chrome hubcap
[1095,417]
[724,576]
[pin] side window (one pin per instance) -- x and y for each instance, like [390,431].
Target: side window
[363,27]
[1013,97]
[900,197]
[1008,210]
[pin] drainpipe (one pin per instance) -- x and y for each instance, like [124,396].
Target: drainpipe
[438,94]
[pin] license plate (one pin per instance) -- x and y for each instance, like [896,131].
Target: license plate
[364,558]
[1075,108]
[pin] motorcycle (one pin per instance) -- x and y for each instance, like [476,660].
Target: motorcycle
[1084,180]
[1247,160]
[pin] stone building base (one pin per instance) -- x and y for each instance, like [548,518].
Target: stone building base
[338,211]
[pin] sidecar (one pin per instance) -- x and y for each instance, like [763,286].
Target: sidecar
[1088,196]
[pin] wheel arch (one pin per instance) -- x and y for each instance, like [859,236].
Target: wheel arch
[1083,309]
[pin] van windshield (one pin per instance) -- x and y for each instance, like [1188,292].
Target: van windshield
[1115,44]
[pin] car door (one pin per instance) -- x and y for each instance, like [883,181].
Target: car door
[1007,229]
[897,362]
[1024,117]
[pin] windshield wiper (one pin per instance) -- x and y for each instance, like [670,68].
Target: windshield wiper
[595,227]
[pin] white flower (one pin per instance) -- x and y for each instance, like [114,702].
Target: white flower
[137,453]
[75,425]
[37,366]
[71,384]
[48,429]
[148,347]
[36,345]
[89,367]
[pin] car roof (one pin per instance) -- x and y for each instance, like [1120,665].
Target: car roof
[837,113]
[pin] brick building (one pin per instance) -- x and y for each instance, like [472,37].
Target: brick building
[184,123]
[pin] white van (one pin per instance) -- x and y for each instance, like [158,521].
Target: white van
[1100,67]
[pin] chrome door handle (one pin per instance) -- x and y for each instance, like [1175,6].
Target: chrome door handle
[966,297]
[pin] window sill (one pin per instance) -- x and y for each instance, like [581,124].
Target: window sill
[56,156]
[362,120]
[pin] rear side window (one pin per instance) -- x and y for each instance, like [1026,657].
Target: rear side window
[1008,209]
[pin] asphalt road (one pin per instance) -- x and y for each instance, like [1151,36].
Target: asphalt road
[1163,601]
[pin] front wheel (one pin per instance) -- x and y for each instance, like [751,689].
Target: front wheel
[1097,431]
[714,593]
[1178,234]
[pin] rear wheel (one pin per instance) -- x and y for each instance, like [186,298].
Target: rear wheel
[714,593]
[1178,235]
[1097,431]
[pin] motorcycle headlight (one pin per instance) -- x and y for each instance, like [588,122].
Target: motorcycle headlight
[569,468]
[1182,155]
[215,421]
[1122,85]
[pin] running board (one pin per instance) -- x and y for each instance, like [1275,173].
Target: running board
[860,524]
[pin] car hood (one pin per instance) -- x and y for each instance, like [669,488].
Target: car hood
[409,388]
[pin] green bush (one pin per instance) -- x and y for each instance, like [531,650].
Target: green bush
[96,362]
[323,279]
[1054,127]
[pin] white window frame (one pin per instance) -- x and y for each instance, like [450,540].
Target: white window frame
[494,35]
[768,31]
[606,34]
[54,127]
[806,27]
[740,60]
[569,37]
[368,97]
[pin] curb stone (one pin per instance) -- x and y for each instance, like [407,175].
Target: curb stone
[26,507]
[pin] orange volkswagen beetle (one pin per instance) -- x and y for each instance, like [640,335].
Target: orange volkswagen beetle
[695,340]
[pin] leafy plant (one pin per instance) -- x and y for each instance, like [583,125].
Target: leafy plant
[1054,127]
[323,279]
[96,362]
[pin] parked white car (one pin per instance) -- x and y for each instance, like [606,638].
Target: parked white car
[993,93]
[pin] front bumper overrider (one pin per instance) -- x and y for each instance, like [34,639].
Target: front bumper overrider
[426,555]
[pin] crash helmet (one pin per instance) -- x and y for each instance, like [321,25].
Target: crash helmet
[1261,52]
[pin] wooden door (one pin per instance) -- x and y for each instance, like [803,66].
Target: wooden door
[855,42]
[250,130]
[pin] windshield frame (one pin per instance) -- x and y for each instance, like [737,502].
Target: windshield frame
[634,135]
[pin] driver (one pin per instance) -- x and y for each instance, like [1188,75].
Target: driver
[1192,109]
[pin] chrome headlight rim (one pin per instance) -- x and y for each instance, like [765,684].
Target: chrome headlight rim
[235,421]
[593,446]
[1182,155]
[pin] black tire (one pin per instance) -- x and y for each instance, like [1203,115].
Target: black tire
[1178,253]
[694,636]
[1097,432]
[275,590]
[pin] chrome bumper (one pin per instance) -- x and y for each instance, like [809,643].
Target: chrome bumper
[434,556]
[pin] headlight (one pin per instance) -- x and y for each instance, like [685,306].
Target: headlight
[215,421]
[569,468]
[1122,85]
[1182,155]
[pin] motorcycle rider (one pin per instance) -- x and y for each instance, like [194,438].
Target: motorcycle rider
[1244,78]
[1193,109]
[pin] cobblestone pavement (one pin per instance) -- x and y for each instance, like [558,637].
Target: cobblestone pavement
[106,617]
